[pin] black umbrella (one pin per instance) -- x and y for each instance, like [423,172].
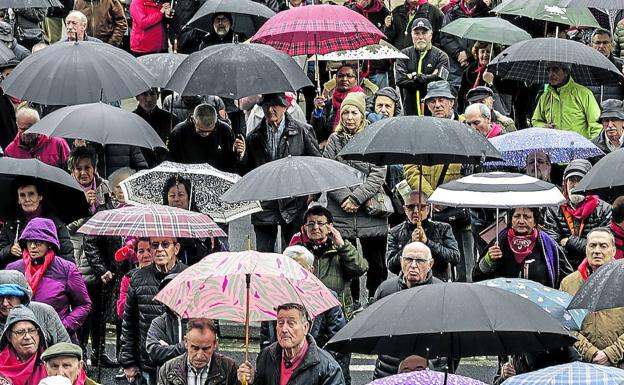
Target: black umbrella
[291,177]
[236,70]
[60,190]
[602,290]
[6,54]
[69,73]
[162,66]
[451,320]
[248,16]
[101,123]
[19,4]
[527,61]
[605,178]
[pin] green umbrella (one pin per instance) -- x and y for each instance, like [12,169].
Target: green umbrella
[487,29]
[549,11]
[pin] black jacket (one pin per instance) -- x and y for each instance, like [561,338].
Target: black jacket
[222,371]
[115,156]
[400,34]
[435,59]
[7,119]
[188,39]
[165,327]
[162,122]
[440,240]
[139,312]
[610,91]
[452,44]
[317,367]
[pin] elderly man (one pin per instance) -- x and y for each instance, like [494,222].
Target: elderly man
[294,358]
[612,120]
[438,236]
[223,31]
[52,151]
[203,138]
[65,359]
[76,24]
[567,105]
[570,223]
[440,100]
[413,363]
[538,165]
[485,95]
[161,121]
[602,41]
[479,117]
[106,18]
[277,137]
[200,362]
[140,309]
[425,64]
[386,103]
[416,265]
[601,338]
[403,17]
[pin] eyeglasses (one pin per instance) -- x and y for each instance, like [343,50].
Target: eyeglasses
[413,207]
[164,244]
[419,261]
[22,332]
[349,76]
[36,243]
[311,225]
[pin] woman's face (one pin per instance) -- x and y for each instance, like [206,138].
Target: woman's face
[484,56]
[144,254]
[351,119]
[523,221]
[37,249]
[84,172]
[29,198]
[177,196]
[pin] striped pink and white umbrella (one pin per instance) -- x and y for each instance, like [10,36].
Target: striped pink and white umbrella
[152,221]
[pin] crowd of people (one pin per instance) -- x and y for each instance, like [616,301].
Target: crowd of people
[59,288]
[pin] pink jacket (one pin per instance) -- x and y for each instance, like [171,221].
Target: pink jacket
[148,30]
[52,151]
[123,294]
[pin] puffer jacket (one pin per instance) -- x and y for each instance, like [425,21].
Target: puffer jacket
[618,36]
[183,106]
[52,151]
[400,34]
[165,328]
[222,371]
[601,330]
[359,224]
[440,240]
[119,156]
[106,19]
[139,312]
[556,226]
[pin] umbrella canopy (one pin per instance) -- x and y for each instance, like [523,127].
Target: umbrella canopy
[317,29]
[602,4]
[527,61]
[251,69]
[561,146]
[419,140]
[606,177]
[488,29]
[553,301]
[426,377]
[247,16]
[207,184]
[572,373]
[151,221]
[60,190]
[291,177]
[503,190]
[162,66]
[21,4]
[381,51]
[101,123]
[547,10]
[68,73]
[461,320]
[602,290]
[215,287]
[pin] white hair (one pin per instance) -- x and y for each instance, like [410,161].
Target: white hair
[482,108]
[300,251]
[81,16]
[27,112]
[418,247]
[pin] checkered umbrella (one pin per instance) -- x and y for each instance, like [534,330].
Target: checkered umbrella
[151,221]
[604,4]
[317,29]
[572,373]
[527,61]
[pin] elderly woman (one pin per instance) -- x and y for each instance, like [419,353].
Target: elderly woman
[30,204]
[350,206]
[475,74]
[82,164]
[21,346]
[53,280]
[523,250]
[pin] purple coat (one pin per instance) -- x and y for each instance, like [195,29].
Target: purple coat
[63,288]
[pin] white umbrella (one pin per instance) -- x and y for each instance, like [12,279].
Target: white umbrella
[383,50]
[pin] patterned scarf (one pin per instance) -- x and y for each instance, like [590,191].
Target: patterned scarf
[338,97]
[34,272]
[618,234]
[521,245]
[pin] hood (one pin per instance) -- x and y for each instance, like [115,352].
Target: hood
[41,229]
[17,314]
[392,94]
[15,280]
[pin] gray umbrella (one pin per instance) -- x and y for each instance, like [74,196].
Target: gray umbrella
[237,70]
[606,178]
[162,66]
[602,290]
[6,54]
[17,4]
[101,123]
[291,177]
[247,16]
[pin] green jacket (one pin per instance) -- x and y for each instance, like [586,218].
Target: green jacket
[571,107]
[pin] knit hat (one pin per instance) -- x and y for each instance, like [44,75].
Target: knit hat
[62,349]
[578,167]
[41,229]
[355,99]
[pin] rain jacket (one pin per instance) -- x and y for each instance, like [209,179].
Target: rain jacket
[601,330]
[166,328]
[106,19]
[222,371]
[571,107]
[52,151]
[148,29]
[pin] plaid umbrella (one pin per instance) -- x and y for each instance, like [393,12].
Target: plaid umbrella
[549,11]
[527,61]
[426,377]
[317,29]
[572,373]
[151,221]
[489,29]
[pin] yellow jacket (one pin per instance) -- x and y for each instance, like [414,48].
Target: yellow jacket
[431,175]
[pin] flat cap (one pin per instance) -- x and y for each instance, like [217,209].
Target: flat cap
[62,349]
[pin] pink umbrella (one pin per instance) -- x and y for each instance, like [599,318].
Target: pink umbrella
[426,377]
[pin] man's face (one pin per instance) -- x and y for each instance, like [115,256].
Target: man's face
[412,3]
[221,25]
[147,100]
[613,128]
[164,251]
[68,367]
[317,227]
[24,337]
[440,107]
[415,265]
[7,303]
[421,38]
[411,208]
[7,72]
[274,113]
[385,106]
[571,182]
[202,129]
[556,75]
[364,3]
[200,346]
[28,198]
[539,162]
[413,364]
[74,26]
[24,123]
[291,329]
[600,249]
[603,44]
[144,253]
[475,120]
[295,3]
[346,78]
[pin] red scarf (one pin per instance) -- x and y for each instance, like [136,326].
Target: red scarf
[521,245]
[467,11]
[587,206]
[496,130]
[618,234]
[584,269]
[337,98]
[28,372]
[82,377]
[479,71]
[34,273]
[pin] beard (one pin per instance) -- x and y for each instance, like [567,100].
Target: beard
[222,31]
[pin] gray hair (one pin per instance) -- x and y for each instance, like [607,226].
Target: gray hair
[419,247]
[300,251]
[27,112]
[482,108]
[81,16]
[205,114]
[119,175]
[604,230]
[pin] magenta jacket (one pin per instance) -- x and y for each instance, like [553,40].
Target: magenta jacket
[52,151]
[148,30]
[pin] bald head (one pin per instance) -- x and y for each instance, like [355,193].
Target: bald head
[413,364]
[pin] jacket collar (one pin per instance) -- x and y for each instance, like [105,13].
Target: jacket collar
[178,375]
[310,359]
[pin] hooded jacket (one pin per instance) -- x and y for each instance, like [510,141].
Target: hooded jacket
[388,92]
[52,151]
[106,19]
